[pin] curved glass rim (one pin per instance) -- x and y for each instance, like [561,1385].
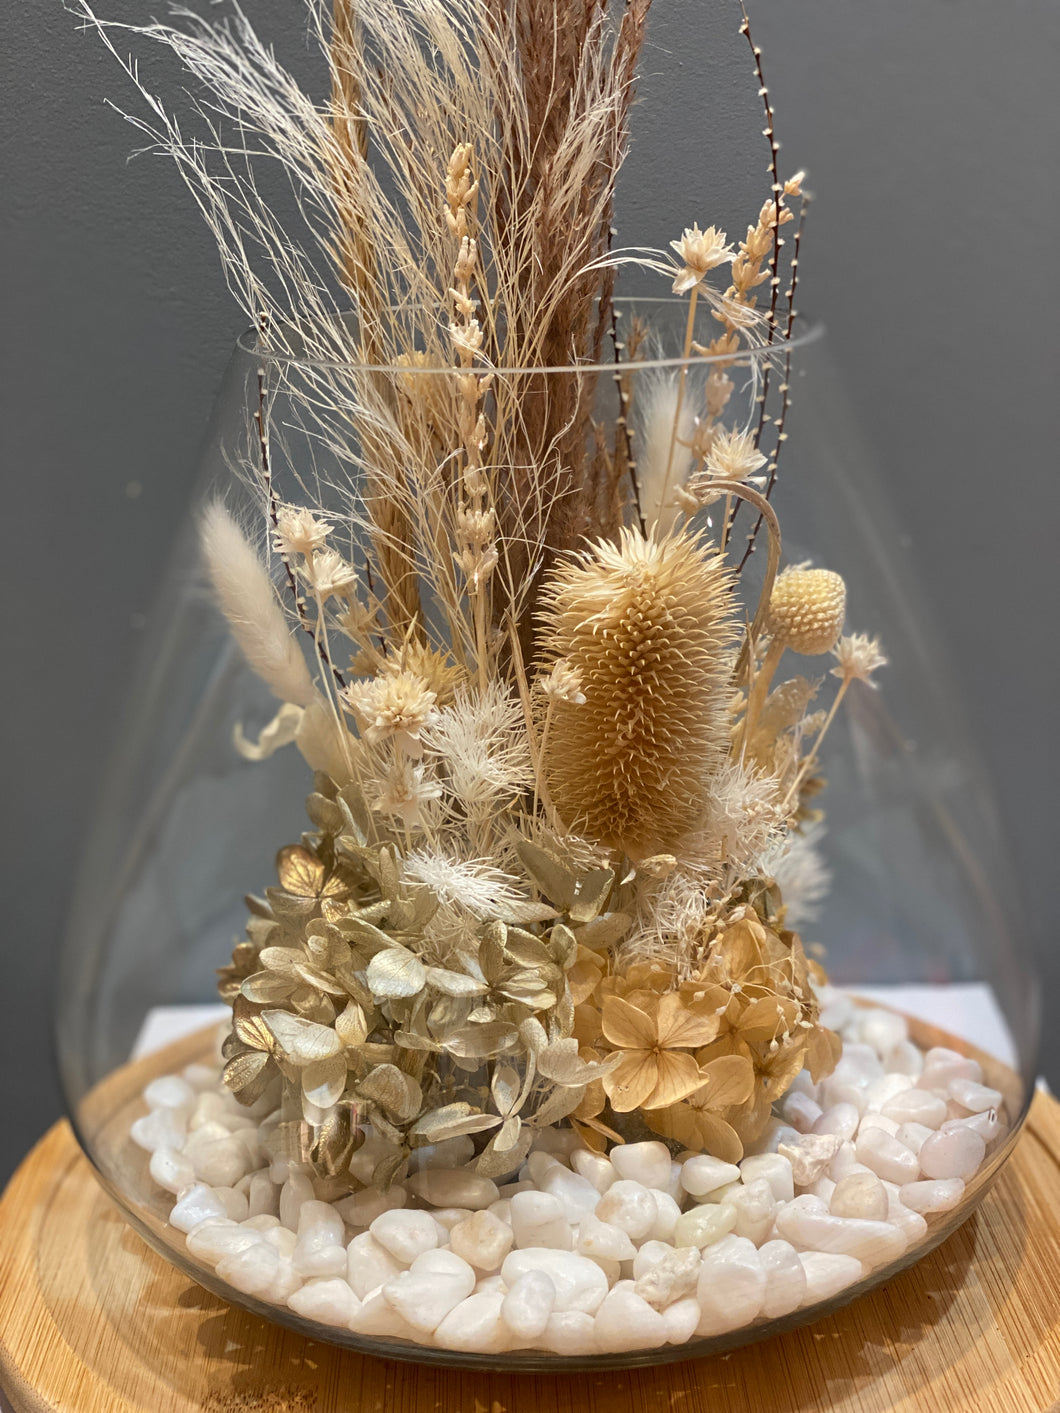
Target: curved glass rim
[248,342]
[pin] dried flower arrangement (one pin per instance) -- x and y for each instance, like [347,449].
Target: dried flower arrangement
[563,813]
[554,775]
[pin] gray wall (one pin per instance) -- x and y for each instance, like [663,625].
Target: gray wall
[930,129]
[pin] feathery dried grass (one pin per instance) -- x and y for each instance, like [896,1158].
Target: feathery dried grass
[248,601]
[648,624]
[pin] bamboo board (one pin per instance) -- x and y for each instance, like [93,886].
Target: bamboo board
[93,1321]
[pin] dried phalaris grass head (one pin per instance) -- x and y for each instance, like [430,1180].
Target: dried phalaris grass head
[648,625]
[806,610]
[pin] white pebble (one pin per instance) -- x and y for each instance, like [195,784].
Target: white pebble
[938,1195]
[844,1161]
[837,1011]
[976,1098]
[171,1170]
[200,1076]
[860,1195]
[905,1059]
[785,1279]
[263,1196]
[539,1219]
[475,1326]
[667,1214]
[883,1030]
[775,1169]
[262,1271]
[453,1187]
[214,1239]
[828,1273]
[800,1111]
[368,1265]
[629,1205]
[704,1225]
[603,1240]
[576,1193]
[405,1234]
[952,1153]
[911,1224]
[360,1209]
[580,1283]
[595,1167]
[372,1152]
[703,1174]
[281,1240]
[169,1091]
[874,1242]
[670,1279]
[194,1205]
[376,1316]
[732,1286]
[646,1163]
[483,1240]
[942,1066]
[887,1157]
[681,1319]
[571,1333]
[809,1156]
[873,1119]
[320,1250]
[755,1208]
[330,1302]
[435,1283]
[162,1128]
[913,1135]
[296,1190]
[916,1106]
[528,1304]
[839,1119]
[648,1257]
[625,1321]
[235,1202]
[987,1124]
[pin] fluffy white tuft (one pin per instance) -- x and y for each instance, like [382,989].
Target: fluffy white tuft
[248,601]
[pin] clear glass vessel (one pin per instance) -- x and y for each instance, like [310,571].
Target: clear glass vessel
[920,911]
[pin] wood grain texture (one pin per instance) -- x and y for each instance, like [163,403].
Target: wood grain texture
[93,1321]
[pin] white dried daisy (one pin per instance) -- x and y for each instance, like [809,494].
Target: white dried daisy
[397,706]
[858,656]
[734,456]
[299,531]
[700,252]
[563,683]
[405,791]
[330,574]
[481,741]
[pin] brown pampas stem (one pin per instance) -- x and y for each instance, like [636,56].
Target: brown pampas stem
[649,626]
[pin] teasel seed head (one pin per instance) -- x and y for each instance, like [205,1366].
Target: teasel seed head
[649,626]
[806,610]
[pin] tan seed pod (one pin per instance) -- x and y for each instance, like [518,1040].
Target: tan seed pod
[648,625]
[806,610]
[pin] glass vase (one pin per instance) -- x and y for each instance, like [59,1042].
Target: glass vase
[919,912]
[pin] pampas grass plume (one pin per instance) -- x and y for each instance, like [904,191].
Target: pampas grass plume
[247,598]
[649,626]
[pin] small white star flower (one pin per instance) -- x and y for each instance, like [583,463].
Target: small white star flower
[700,252]
[859,656]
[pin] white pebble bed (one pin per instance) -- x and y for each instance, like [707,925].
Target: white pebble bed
[584,1254]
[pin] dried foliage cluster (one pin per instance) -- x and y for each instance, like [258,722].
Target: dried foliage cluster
[556,779]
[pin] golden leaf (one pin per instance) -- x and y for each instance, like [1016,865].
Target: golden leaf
[302,1041]
[481,1041]
[324,1080]
[452,1121]
[559,1104]
[591,894]
[265,988]
[242,1070]
[605,930]
[393,1090]
[729,1080]
[253,1031]
[505,1087]
[556,880]
[454,983]
[396,972]
[699,1130]
[352,1026]
[494,1163]
[682,1024]
[300,872]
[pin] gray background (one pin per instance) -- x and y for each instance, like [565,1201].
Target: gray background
[930,129]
